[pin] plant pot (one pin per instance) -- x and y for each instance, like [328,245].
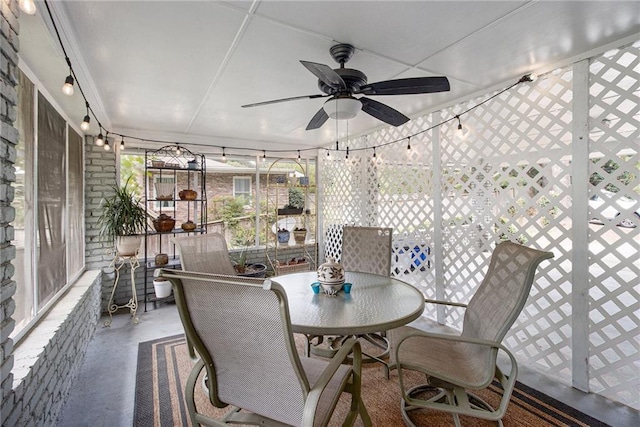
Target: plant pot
[164,223]
[128,245]
[289,211]
[254,270]
[161,259]
[162,287]
[300,236]
[187,194]
[188,226]
[283,236]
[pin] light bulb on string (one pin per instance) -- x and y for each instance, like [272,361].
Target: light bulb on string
[122,143]
[100,140]
[374,154]
[178,150]
[67,88]
[106,146]
[328,153]
[224,156]
[27,6]
[409,143]
[298,155]
[86,122]
[264,156]
[347,155]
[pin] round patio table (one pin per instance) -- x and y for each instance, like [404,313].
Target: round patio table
[376,303]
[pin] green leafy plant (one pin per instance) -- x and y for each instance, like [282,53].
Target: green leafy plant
[296,199]
[122,214]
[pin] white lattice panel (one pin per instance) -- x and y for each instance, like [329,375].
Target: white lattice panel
[614,246]
[508,176]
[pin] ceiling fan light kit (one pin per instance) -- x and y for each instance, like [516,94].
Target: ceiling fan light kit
[342,108]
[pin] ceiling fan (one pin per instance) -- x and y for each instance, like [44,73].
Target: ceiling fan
[340,86]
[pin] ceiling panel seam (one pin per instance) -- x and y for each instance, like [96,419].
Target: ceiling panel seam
[223,65]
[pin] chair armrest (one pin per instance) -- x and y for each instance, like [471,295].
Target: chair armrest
[350,346]
[435,301]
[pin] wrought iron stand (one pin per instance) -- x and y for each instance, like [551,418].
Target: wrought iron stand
[118,262]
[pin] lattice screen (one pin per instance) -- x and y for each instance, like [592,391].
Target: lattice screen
[614,270]
[508,176]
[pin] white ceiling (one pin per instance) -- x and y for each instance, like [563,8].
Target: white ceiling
[179,71]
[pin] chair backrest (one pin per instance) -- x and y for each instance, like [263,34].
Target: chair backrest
[242,330]
[367,250]
[205,253]
[503,292]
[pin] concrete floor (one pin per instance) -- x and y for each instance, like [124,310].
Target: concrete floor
[104,391]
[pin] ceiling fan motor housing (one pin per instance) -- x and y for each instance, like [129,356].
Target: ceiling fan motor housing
[354,79]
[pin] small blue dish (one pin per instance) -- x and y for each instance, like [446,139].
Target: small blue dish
[315,286]
[347,288]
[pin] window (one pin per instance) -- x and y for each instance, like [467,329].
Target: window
[49,203]
[242,187]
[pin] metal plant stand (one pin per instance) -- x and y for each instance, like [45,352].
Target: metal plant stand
[118,262]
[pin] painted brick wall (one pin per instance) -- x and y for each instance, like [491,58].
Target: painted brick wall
[9,29]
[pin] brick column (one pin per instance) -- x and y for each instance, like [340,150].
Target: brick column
[9,29]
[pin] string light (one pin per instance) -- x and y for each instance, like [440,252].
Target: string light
[224,156]
[122,143]
[264,156]
[178,150]
[100,140]
[27,6]
[67,88]
[86,122]
[107,147]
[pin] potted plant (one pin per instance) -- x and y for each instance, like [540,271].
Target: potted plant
[249,270]
[122,219]
[283,235]
[300,235]
[296,203]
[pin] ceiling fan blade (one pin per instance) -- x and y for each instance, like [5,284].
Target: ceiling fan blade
[293,98]
[325,74]
[383,112]
[408,86]
[318,119]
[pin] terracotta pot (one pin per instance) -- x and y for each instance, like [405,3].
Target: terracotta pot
[162,259]
[187,194]
[188,226]
[164,223]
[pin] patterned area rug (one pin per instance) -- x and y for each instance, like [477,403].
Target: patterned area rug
[164,365]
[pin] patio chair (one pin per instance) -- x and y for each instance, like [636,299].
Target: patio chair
[241,328]
[204,253]
[367,250]
[468,361]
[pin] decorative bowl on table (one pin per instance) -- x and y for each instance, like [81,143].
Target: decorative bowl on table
[331,276]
